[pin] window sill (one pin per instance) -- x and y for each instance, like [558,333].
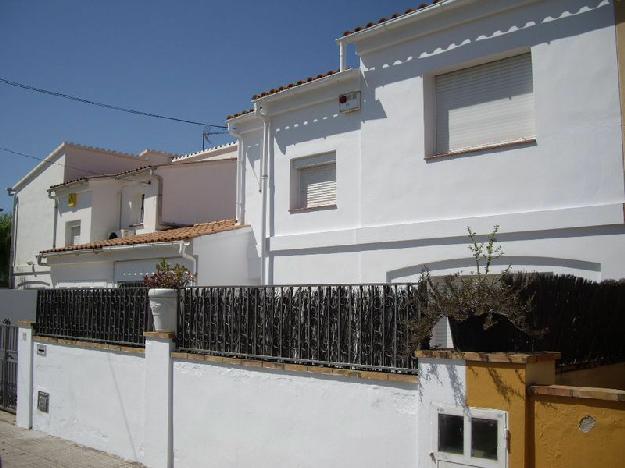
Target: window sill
[312,208]
[478,149]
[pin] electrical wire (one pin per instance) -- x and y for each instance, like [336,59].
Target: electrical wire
[30,156]
[101,104]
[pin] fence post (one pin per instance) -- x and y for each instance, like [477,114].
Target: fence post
[24,410]
[158,399]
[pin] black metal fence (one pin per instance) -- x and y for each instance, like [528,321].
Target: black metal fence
[116,315]
[8,366]
[353,326]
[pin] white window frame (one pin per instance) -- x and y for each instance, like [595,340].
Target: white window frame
[309,162]
[468,414]
[69,238]
[431,122]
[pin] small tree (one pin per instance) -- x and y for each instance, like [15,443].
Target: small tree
[478,294]
[168,277]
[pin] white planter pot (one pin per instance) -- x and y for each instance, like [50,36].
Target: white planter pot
[164,306]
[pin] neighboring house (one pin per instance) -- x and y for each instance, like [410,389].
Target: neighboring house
[34,212]
[113,227]
[461,113]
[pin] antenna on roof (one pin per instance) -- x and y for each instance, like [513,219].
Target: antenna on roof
[208,131]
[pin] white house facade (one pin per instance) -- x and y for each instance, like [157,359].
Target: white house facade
[461,114]
[108,228]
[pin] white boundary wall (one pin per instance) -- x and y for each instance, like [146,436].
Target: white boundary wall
[167,412]
[96,398]
[227,416]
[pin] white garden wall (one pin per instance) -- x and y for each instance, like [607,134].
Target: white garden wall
[185,411]
[232,416]
[96,398]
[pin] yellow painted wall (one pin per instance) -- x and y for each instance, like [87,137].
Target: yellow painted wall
[611,376]
[557,442]
[501,386]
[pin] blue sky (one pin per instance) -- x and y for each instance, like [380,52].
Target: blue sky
[198,60]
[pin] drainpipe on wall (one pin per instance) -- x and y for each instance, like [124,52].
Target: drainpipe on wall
[13,194]
[56,210]
[262,187]
[159,198]
[192,258]
[342,56]
[240,188]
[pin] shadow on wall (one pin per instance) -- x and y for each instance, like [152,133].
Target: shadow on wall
[543,23]
[317,122]
[508,260]
[430,373]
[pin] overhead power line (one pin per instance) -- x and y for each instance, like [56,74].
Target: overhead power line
[30,156]
[101,104]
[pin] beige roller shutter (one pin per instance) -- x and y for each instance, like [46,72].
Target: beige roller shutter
[484,105]
[317,185]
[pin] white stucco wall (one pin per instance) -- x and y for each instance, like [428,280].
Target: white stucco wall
[35,210]
[227,259]
[559,201]
[34,214]
[198,192]
[234,417]
[96,398]
[441,382]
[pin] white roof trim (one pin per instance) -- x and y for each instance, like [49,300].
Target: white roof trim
[49,160]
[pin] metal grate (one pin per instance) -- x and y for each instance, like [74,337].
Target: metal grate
[8,366]
[117,315]
[352,326]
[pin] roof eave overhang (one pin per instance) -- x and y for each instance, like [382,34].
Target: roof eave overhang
[112,249]
[330,80]
[415,16]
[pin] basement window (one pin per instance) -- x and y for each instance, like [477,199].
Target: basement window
[314,183]
[487,105]
[474,437]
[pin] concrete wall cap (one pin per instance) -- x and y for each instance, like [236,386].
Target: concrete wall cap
[25,323]
[163,335]
[516,358]
[596,393]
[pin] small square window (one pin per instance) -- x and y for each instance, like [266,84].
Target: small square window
[450,433]
[484,436]
[72,233]
[314,182]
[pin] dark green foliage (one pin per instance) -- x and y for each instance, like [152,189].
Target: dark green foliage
[169,277]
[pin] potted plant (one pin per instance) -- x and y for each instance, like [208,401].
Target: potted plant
[163,293]
[481,306]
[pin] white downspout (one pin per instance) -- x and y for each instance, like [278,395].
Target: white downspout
[262,187]
[342,56]
[182,251]
[56,213]
[240,189]
[159,198]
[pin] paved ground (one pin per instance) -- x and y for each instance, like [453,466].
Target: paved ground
[31,449]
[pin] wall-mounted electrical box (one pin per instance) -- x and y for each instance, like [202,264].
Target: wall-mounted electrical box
[349,102]
[43,401]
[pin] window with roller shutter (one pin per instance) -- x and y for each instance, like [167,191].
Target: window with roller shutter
[485,105]
[317,186]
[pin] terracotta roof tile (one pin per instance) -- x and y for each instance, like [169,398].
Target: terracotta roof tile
[385,19]
[171,235]
[239,114]
[283,88]
[294,84]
